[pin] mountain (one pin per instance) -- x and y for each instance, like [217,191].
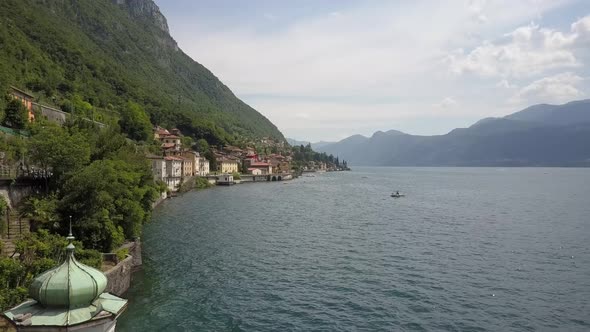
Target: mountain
[320,144]
[314,146]
[101,54]
[571,113]
[294,142]
[541,135]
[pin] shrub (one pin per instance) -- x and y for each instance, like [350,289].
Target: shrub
[202,183]
[122,253]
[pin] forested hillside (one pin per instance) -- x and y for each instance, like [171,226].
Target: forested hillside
[96,56]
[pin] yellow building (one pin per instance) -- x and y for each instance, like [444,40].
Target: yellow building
[228,166]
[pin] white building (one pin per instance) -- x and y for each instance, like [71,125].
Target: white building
[225,180]
[158,167]
[203,166]
[255,171]
[173,172]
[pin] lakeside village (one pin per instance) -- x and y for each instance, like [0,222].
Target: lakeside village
[177,165]
[57,169]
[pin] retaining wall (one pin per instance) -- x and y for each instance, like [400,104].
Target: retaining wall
[119,276]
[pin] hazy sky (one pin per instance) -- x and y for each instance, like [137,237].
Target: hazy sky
[325,70]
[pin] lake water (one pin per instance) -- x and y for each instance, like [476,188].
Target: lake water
[467,249]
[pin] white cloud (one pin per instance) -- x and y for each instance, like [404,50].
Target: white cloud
[505,84]
[374,50]
[553,89]
[527,51]
[581,29]
[304,116]
[477,7]
[301,72]
[447,102]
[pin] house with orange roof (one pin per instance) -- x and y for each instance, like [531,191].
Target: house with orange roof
[26,98]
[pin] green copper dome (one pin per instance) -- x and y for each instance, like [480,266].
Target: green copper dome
[70,285]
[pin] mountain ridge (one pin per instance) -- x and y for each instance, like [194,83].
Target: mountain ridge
[540,135]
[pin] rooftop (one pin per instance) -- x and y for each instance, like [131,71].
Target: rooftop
[259,164]
[69,294]
[21,91]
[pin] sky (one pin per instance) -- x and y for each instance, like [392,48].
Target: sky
[329,69]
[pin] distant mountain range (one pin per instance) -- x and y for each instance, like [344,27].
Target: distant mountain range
[540,135]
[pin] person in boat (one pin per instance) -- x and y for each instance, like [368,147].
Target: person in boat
[397,193]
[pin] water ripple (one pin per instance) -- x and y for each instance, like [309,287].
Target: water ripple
[466,250]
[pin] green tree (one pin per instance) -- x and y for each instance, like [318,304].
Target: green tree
[212,160]
[135,122]
[187,141]
[202,146]
[14,148]
[107,143]
[55,149]
[15,114]
[41,210]
[110,199]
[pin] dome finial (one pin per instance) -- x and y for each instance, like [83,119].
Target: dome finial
[70,247]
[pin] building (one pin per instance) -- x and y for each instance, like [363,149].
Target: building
[253,162]
[158,167]
[203,166]
[26,99]
[194,158]
[254,171]
[173,172]
[69,297]
[233,151]
[225,180]
[187,166]
[160,132]
[226,165]
[264,167]
[280,164]
[171,141]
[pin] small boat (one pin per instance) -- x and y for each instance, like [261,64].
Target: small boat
[394,195]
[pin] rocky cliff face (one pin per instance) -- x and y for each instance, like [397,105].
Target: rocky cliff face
[146,9]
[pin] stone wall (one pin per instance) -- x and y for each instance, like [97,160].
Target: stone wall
[6,325]
[160,199]
[119,276]
[14,193]
[134,252]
